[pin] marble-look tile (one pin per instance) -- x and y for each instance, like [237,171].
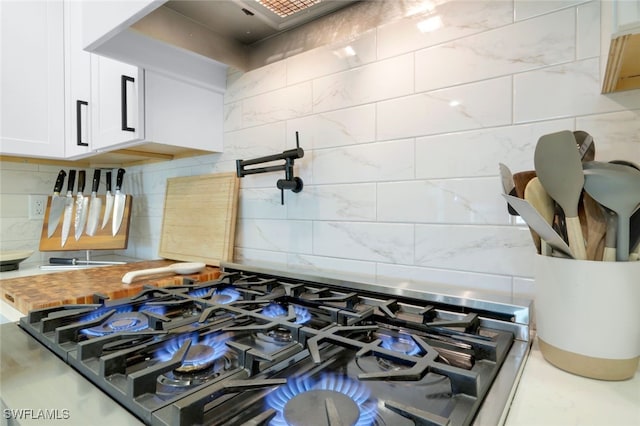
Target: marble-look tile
[450,277]
[501,250]
[14,206]
[255,141]
[348,126]
[588,30]
[249,256]
[446,110]
[524,288]
[25,181]
[323,265]
[526,45]
[283,104]
[331,59]
[566,90]
[294,236]
[232,116]
[365,163]
[378,242]
[524,9]
[617,135]
[262,80]
[261,203]
[334,202]
[438,23]
[19,229]
[467,201]
[478,152]
[385,79]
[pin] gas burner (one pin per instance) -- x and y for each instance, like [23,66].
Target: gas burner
[333,399]
[129,322]
[155,309]
[274,310]
[202,354]
[225,296]
[403,344]
[278,335]
[199,293]
[94,315]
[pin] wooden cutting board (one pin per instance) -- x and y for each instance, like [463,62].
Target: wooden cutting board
[79,286]
[199,218]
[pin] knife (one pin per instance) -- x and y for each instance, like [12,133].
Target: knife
[118,203]
[95,206]
[108,203]
[57,204]
[68,207]
[81,205]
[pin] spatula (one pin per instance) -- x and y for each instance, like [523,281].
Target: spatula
[559,169]
[618,188]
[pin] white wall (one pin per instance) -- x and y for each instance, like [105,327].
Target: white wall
[403,139]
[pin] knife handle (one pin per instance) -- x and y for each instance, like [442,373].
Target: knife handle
[81,179]
[109,181]
[119,179]
[72,180]
[62,261]
[59,182]
[96,180]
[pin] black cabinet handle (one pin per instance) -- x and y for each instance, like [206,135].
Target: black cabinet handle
[79,105]
[123,87]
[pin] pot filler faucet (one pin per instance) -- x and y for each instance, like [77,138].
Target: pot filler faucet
[290,181]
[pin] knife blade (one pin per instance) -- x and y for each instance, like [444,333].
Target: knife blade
[68,207]
[57,204]
[118,203]
[108,202]
[95,205]
[81,206]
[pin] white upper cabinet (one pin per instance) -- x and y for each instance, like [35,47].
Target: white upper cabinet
[32,76]
[627,15]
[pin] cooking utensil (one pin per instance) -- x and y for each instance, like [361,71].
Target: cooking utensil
[10,259]
[596,226]
[539,224]
[559,169]
[618,188]
[521,179]
[68,208]
[177,268]
[76,261]
[535,194]
[611,219]
[586,145]
[95,206]
[57,205]
[118,203]
[634,234]
[82,203]
[508,187]
[108,205]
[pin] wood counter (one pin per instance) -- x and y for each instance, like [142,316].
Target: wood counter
[79,286]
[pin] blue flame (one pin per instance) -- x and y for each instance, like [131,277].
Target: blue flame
[156,309]
[403,344]
[225,296]
[201,292]
[94,315]
[119,321]
[355,390]
[215,341]
[273,310]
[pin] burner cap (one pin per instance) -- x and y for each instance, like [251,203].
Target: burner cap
[198,357]
[311,408]
[280,335]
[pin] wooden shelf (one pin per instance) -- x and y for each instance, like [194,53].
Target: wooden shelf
[623,64]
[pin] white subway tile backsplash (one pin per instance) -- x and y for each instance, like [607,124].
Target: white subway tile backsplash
[526,45]
[324,265]
[282,104]
[378,242]
[616,135]
[233,116]
[564,91]
[441,22]
[262,80]
[274,235]
[255,141]
[334,202]
[385,79]
[364,163]
[471,106]
[250,256]
[502,250]
[261,203]
[478,152]
[468,201]
[525,9]
[588,30]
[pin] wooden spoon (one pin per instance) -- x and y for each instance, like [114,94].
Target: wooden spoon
[559,169]
[521,179]
[611,218]
[535,194]
[596,226]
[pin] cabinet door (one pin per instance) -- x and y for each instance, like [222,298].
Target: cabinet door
[32,78]
[117,94]
[77,84]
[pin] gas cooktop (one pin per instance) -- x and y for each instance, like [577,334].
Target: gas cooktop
[265,347]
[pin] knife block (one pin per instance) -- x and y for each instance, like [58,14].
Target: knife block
[102,240]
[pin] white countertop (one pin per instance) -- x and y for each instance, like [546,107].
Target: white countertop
[545,394]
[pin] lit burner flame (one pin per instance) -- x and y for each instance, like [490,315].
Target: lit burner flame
[353,389]
[201,292]
[92,316]
[403,344]
[215,344]
[225,296]
[129,322]
[273,310]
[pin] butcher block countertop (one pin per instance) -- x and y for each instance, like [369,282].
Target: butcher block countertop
[78,286]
